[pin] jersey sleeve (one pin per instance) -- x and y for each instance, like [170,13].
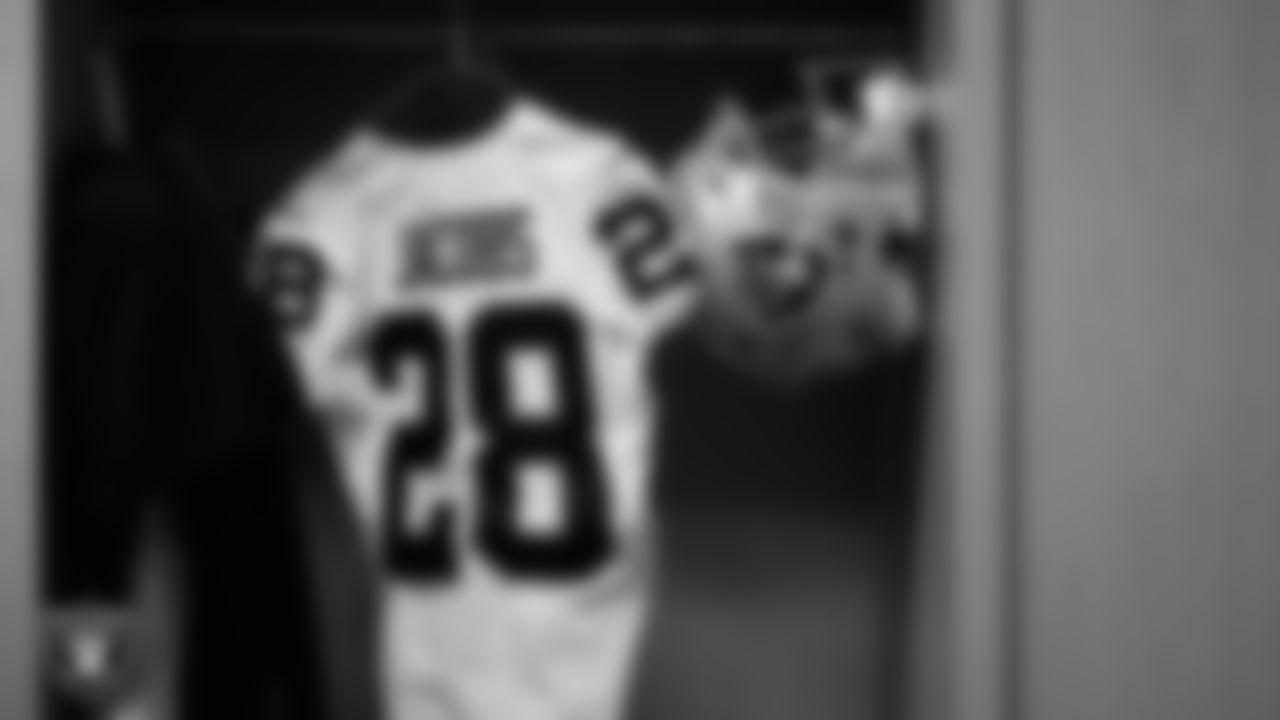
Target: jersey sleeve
[636,222]
[306,268]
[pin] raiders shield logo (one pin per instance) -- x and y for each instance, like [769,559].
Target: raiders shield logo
[781,278]
[92,656]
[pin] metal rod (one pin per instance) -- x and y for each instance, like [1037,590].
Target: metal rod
[592,36]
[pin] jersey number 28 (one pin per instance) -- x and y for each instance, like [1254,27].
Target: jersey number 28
[428,552]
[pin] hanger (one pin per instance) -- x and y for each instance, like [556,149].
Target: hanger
[461,54]
[461,96]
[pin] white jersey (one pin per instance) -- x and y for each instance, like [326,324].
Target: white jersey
[482,314]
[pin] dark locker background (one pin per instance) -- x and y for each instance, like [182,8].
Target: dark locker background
[786,520]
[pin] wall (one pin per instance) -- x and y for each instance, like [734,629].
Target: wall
[17,407]
[1152,325]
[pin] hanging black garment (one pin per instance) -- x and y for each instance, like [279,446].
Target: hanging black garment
[106,218]
[167,390]
[276,591]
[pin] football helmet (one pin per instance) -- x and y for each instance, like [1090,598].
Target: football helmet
[795,217]
[758,275]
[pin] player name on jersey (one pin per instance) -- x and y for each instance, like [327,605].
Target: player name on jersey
[487,244]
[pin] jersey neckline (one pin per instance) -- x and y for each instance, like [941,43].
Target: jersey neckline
[520,116]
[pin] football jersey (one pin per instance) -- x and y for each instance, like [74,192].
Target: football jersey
[475,320]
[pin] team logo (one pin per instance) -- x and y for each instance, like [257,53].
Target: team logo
[779,276]
[91,655]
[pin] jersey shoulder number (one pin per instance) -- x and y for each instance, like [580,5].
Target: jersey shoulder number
[635,223]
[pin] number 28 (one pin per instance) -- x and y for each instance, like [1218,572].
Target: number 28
[582,542]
